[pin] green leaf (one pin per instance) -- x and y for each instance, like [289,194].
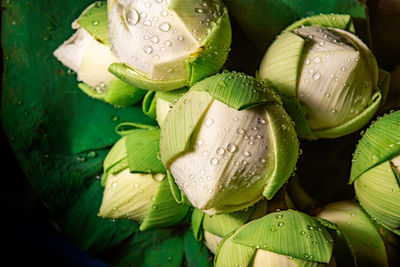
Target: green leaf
[290,233]
[81,224]
[380,142]
[262,20]
[142,147]
[150,248]
[196,254]
[95,21]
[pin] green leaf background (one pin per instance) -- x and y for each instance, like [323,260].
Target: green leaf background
[60,136]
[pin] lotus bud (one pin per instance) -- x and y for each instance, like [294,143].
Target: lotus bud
[166,45]
[375,171]
[285,238]
[212,229]
[228,143]
[329,76]
[356,229]
[87,53]
[135,183]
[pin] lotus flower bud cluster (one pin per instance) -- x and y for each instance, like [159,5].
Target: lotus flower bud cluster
[225,142]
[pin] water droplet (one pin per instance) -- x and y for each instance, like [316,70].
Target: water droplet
[208,122]
[143,15]
[205,153]
[261,121]
[214,161]
[307,61]
[240,131]
[164,27]
[167,43]
[200,142]
[327,94]
[154,39]
[273,229]
[309,227]
[220,151]
[280,224]
[317,60]
[246,153]
[147,5]
[92,154]
[343,68]
[202,171]
[316,76]
[164,13]
[333,111]
[147,22]
[231,147]
[147,49]
[199,10]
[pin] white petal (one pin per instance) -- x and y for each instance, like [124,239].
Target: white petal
[212,241]
[71,52]
[94,66]
[396,164]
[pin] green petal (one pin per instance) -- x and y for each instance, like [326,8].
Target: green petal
[285,148]
[378,192]
[149,104]
[165,211]
[116,159]
[126,128]
[298,112]
[238,90]
[289,233]
[225,223]
[142,148]
[360,234]
[211,56]
[334,20]
[355,123]
[281,63]
[94,20]
[380,142]
[179,196]
[121,94]
[197,223]
[180,124]
[231,254]
[133,77]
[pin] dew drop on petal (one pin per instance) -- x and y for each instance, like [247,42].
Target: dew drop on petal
[231,147]
[214,161]
[164,27]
